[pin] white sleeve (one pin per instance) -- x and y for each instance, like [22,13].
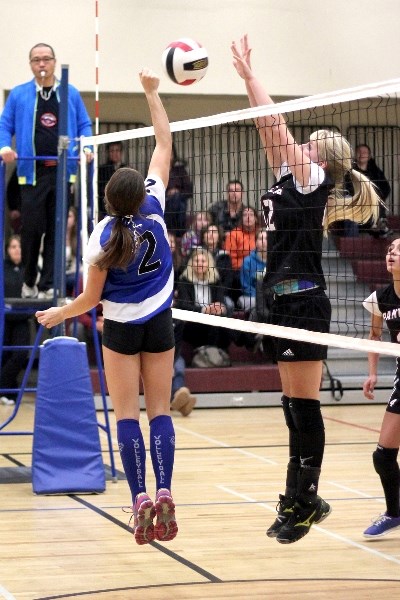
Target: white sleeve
[317,176]
[371,304]
[93,249]
[155,187]
[282,171]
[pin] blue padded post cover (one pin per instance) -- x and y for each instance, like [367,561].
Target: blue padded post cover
[66,455]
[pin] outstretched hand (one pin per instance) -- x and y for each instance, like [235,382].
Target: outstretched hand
[149,80]
[241,58]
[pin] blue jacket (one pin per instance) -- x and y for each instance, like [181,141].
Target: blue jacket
[18,118]
[252,268]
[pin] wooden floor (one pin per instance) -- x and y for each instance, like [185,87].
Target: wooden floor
[229,468]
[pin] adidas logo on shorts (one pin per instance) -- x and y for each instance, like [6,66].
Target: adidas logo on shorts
[287,352]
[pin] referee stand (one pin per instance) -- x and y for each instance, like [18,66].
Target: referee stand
[67,454]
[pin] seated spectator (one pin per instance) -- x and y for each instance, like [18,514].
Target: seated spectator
[365,163]
[178,193]
[212,239]
[86,331]
[181,398]
[113,163]
[252,271]
[16,326]
[13,195]
[240,242]
[199,290]
[71,244]
[192,237]
[227,213]
[83,328]
[177,258]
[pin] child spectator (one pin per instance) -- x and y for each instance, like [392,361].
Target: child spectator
[253,270]
[192,237]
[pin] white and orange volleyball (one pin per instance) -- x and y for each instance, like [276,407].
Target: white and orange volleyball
[185,61]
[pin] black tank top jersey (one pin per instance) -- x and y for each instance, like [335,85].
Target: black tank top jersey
[389,305]
[295,231]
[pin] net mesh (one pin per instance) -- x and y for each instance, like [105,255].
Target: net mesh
[213,151]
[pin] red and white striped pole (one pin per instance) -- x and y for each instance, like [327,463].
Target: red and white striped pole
[97,104]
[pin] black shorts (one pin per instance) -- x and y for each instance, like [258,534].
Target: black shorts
[155,335]
[309,310]
[393,405]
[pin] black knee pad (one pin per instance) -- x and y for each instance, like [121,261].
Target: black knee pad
[306,415]
[385,461]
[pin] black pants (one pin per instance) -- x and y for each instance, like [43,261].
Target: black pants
[16,333]
[38,212]
[198,334]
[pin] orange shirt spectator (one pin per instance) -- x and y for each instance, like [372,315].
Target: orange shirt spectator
[242,240]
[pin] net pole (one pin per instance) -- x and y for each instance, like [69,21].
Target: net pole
[96,58]
[94,204]
[61,193]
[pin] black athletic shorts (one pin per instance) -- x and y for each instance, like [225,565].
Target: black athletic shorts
[155,335]
[393,405]
[309,310]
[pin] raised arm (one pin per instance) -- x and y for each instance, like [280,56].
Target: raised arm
[161,158]
[277,140]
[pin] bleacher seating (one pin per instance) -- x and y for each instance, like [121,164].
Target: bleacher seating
[364,247]
[368,258]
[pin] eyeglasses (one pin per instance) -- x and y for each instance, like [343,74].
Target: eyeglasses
[44,59]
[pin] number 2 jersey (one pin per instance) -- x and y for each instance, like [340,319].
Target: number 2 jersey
[146,287]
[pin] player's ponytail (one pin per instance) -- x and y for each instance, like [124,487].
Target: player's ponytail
[124,195]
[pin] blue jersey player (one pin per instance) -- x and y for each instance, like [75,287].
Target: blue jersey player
[130,272]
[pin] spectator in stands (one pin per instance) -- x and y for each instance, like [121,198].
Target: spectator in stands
[199,290]
[212,239]
[115,160]
[31,112]
[384,306]
[365,163]
[227,213]
[305,200]
[192,237]
[240,242]
[71,245]
[87,329]
[251,271]
[181,398]
[179,192]
[177,258]
[16,326]
[13,195]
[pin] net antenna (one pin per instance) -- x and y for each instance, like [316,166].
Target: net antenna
[220,148]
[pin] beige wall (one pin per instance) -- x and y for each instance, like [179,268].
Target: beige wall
[302,47]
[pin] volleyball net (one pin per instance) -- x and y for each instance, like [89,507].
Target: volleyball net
[216,150]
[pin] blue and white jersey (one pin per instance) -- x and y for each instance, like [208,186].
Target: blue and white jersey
[146,287]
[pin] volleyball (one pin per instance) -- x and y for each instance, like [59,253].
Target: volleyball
[185,61]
